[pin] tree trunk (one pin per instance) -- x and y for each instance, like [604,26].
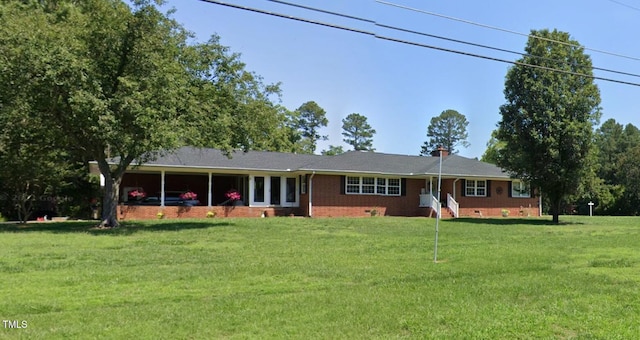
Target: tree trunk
[110,202]
[556,202]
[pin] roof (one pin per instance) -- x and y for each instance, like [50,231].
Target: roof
[362,162]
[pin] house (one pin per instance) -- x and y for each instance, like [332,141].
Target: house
[355,183]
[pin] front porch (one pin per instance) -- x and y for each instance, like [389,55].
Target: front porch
[254,195]
[143,212]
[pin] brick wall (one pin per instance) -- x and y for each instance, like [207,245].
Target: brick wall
[145,212]
[329,202]
[497,201]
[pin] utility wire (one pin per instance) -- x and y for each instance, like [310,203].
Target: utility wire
[440,37]
[501,29]
[625,5]
[355,30]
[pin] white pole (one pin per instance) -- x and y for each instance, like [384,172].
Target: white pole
[209,196]
[435,249]
[162,196]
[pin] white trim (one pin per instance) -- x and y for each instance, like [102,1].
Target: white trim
[267,191]
[520,184]
[361,185]
[162,184]
[210,191]
[475,187]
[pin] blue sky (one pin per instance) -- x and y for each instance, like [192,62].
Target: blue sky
[401,87]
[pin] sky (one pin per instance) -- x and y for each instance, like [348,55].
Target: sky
[400,87]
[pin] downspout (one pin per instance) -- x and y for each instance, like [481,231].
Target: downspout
[310,194]
[454,188]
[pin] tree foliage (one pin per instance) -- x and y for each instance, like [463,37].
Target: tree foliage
[357,132]
[548,118]
[310,119]
[448,130]
[125,84]
[333,150]
[492,153]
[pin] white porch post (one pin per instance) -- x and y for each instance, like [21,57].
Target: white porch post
[162,188]
[431,185]
[310,192]
[209,201]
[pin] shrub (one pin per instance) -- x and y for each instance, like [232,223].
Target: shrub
[211,214]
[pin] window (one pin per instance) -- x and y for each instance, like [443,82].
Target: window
[353,185]
[373,186]
[275,190]
[258,190]
[291,190]
[476,188]
[381,189]
[393,187]
[368,185]
[520,189]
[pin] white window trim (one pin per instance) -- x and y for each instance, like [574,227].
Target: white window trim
[267,191]
[475,187]
[519,194]
[375,186]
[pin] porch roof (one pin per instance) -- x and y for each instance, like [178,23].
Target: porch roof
[349,162]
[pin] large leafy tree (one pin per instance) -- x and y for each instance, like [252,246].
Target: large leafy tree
[448,130]
[491,154]
[357,132]
[547,121]
[124,84]
[310,119]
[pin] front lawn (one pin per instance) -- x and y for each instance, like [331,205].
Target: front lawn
[323,278]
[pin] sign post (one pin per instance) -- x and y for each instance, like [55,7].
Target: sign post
[590,208]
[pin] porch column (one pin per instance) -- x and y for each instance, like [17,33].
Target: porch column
[162,188]
[209,201]
[431,185]
[310,192]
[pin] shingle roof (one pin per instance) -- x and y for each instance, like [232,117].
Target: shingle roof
[350,162]
[215,159]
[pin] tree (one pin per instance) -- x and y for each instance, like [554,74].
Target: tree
[448,130]
[310,118]
[333,150]
[357,132]
[493,146]
[548,118]
[124,84]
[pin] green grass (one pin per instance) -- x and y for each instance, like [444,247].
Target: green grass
[323,278]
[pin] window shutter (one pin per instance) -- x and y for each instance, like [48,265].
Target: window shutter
[464,188]
[403,187]
[488,188]
[509,188]
[343,181]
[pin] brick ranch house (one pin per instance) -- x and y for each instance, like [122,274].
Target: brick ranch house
[354,184]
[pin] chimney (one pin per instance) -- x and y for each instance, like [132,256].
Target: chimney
[436,152]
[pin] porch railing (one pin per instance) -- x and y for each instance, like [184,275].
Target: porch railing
[435,205]
[453,205]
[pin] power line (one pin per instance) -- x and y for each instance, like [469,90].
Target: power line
[625,5]
[439,37]
[355,30]
[501,29]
